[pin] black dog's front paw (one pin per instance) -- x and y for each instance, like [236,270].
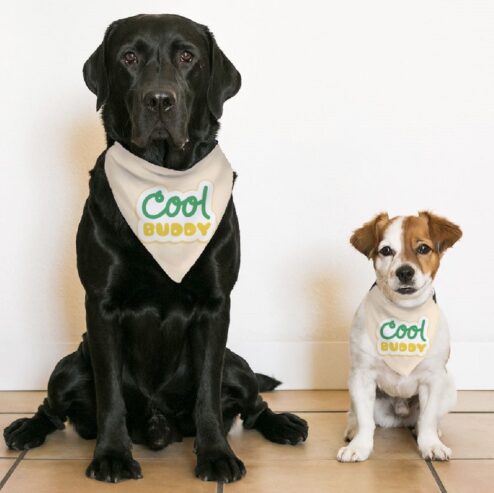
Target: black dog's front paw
[284,428]
[24,434]
[114,467]
[223,467]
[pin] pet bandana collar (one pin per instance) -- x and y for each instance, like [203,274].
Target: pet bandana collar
[401,336]
[173,213]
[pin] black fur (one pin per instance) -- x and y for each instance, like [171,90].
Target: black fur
[153,365]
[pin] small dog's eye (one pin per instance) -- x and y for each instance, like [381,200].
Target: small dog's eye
[186,57]
[129,58]
[423,249]
[386,251]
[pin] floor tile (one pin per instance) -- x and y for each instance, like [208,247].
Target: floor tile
[324,476]
[5,420]
[307,400]
[61,476]
[470,436]
[5,465]
[67,444]
[325,439]
[475,400]
[20,401]
[466,476]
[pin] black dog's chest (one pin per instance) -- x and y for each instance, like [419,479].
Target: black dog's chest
[155,342]
[156,317]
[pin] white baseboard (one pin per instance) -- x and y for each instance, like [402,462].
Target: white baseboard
[324,365]
[300,365]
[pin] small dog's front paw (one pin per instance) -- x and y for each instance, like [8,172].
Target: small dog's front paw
[435,451]
[223,467]
[354,452]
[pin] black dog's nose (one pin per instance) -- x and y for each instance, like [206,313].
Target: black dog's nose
[405,273]
[157,100]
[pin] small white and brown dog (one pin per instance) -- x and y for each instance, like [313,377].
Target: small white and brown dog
[399,342]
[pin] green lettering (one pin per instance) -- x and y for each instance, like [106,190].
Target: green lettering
[391,324]
[203,201]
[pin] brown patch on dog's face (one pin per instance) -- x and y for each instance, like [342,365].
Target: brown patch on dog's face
[444,233]
[425,238]
[366,238]
[418,247]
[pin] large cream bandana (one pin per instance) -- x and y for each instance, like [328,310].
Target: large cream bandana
[402,336]
[173,213]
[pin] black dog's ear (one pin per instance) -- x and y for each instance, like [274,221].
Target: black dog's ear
[95,72]
[224,79]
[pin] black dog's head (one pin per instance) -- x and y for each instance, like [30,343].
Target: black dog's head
[159,78]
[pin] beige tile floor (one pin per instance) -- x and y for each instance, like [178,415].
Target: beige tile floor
[58,466]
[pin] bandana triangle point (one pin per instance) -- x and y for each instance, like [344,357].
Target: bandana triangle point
[174,214]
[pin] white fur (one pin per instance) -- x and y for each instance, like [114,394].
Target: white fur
[386,268]
[429,380]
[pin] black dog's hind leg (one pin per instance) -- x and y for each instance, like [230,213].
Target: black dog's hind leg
[241,387]
[69,376]
[27,433]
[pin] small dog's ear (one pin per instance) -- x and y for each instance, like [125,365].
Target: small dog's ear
[444,234]
[366,238]
[95,72]
[224,78]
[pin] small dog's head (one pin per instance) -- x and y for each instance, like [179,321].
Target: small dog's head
[406,251]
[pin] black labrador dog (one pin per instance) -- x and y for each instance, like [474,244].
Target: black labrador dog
[153,366]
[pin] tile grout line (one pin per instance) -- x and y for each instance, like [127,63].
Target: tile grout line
[432,470]
[435,475]
[12,468]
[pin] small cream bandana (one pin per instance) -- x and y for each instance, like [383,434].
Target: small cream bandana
[402,336]
[173,213]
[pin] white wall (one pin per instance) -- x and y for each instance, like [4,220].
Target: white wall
[347,109]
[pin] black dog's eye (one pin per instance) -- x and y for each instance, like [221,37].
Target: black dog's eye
[129,58]
[423,249]
[386,251]
[186,57]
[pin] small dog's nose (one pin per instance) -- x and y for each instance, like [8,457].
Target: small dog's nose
[159,100]
[405,273]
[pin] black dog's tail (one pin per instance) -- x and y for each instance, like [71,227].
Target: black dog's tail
[266,383]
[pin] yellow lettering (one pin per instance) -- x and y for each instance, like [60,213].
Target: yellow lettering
[203,228]
[393,346]
[148,229]
[176,229]
[421,347]
[162,229]
[403,347]
[384,346]
[412,347]
[189,229]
